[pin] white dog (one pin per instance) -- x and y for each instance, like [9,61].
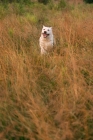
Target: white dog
[46,40]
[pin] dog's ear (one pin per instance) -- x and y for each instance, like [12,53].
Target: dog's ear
[43,26]
[51,28]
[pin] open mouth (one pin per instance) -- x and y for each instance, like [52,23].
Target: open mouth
[45,35]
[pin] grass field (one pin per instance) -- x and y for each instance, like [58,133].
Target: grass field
[46,97]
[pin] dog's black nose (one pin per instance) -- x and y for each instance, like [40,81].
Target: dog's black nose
[45,32]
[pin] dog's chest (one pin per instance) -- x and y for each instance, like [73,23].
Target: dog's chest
[47,44]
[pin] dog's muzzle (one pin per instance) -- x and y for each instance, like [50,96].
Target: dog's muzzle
[45,34]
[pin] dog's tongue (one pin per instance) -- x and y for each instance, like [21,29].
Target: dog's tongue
[45,35]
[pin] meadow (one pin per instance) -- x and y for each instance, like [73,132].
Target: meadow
[46,97]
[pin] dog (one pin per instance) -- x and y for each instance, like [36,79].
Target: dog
[46,40]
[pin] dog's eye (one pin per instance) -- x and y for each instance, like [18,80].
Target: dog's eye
[48,29]
[43,29]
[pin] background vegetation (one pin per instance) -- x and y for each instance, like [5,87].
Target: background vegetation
[88,1]
[46,97]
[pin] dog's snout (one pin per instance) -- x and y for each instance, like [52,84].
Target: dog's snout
[45,32]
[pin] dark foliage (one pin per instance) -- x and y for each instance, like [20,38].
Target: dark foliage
[88,1]
[43,1]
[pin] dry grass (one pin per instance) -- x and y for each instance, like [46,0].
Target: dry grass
[47,97]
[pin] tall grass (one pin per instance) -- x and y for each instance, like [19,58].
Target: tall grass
[46,97]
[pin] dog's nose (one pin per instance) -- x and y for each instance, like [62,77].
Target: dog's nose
[45,32]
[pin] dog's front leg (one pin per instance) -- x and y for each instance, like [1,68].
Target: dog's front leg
[43,51]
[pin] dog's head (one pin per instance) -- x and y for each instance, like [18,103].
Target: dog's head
[46,31]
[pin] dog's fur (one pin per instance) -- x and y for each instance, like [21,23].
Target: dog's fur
[46,40]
